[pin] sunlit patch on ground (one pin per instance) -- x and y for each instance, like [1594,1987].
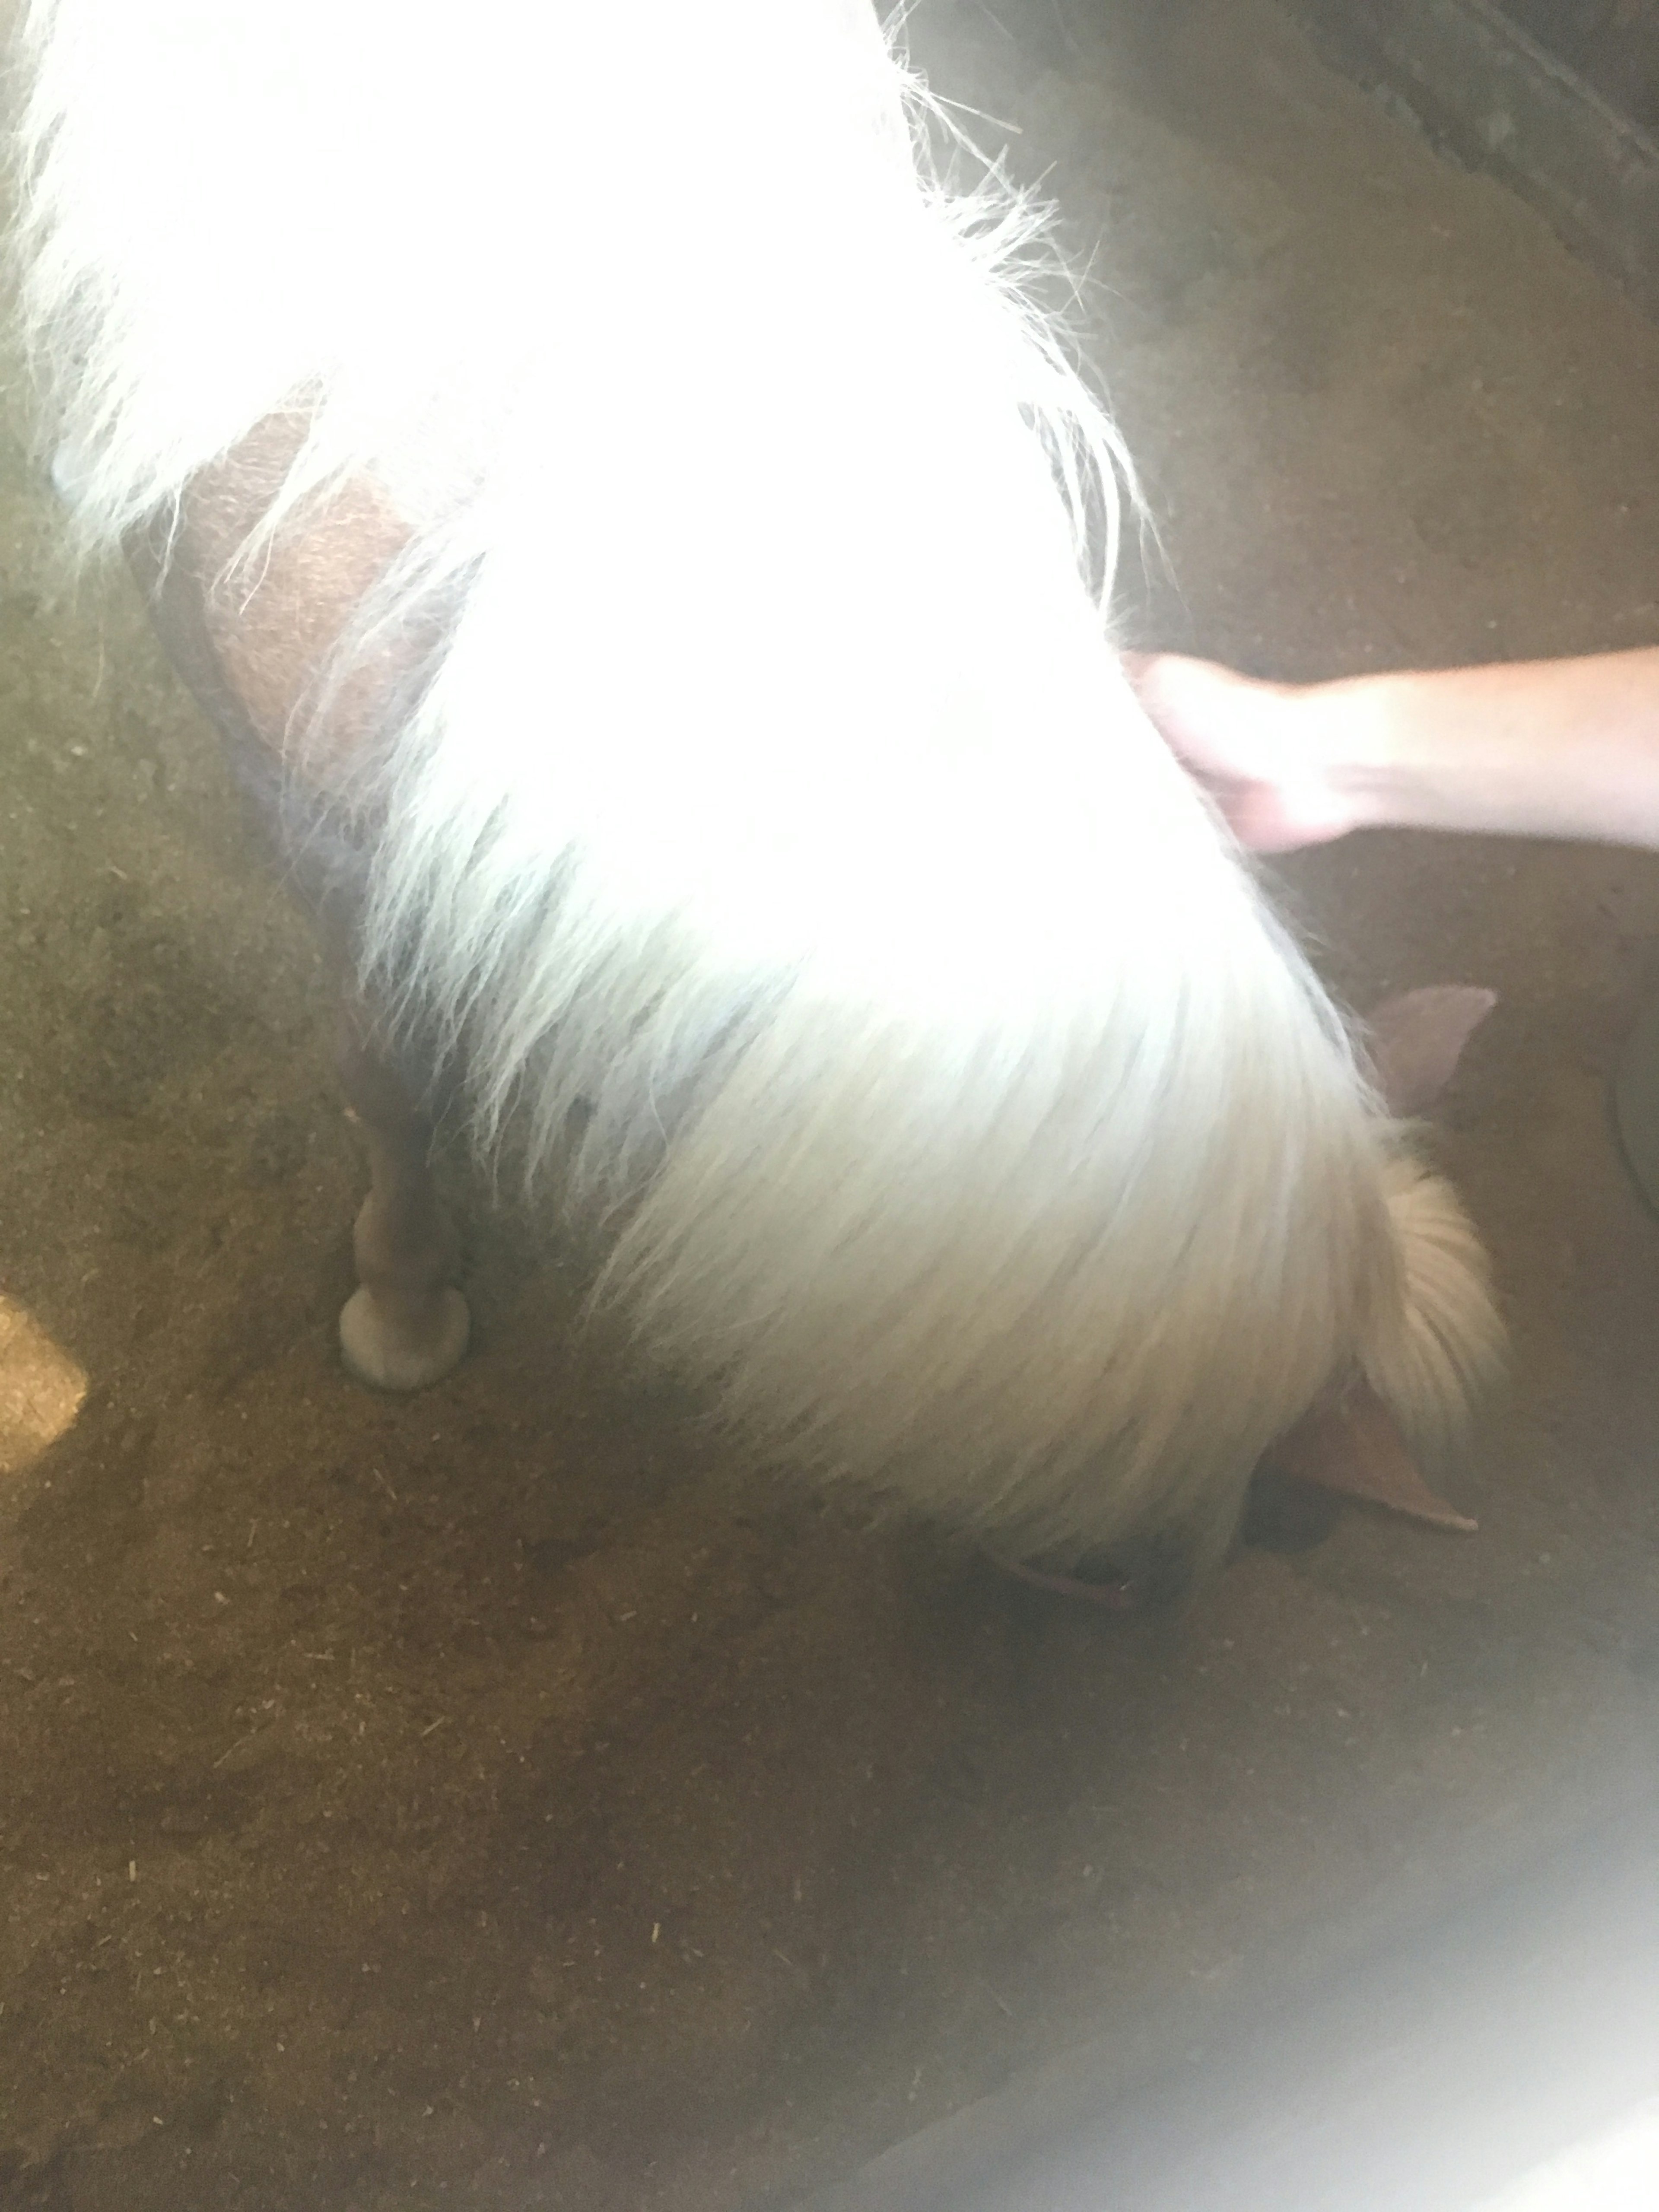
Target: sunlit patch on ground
[40,1389]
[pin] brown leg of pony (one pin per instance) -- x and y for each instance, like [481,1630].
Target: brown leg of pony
[248,656]
[405,1325]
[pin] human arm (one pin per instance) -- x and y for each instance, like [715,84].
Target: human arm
[1547,748]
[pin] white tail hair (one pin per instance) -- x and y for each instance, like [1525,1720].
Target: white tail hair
[774,822]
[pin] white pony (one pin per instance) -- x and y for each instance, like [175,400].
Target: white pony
[747,781]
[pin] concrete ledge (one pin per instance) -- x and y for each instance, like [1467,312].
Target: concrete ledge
[1491,96]
[1461,2052]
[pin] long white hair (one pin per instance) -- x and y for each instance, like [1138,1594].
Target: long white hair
[773,820]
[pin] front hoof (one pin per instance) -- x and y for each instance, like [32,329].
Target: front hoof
[388,1355]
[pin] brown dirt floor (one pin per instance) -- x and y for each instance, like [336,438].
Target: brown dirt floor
[494,1800]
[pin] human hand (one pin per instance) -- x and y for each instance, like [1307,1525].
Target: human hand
[1268,753]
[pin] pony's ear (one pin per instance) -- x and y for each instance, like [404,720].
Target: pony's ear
[1417,1039]
[1356,1449]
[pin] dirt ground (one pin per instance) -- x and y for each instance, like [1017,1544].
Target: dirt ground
[493,1800]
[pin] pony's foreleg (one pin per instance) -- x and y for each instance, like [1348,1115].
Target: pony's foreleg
[246,657]
[406,1324]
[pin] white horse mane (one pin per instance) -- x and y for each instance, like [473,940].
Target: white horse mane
[777,799]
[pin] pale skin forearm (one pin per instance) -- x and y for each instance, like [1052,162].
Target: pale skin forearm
[1551,749]
[1542,748]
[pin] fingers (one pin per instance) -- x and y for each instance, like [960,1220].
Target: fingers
[1252,746]
[1218,721]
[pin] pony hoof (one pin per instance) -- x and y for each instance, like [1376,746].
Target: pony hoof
[389,1358]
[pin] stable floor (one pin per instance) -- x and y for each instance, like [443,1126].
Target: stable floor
[494,1800]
